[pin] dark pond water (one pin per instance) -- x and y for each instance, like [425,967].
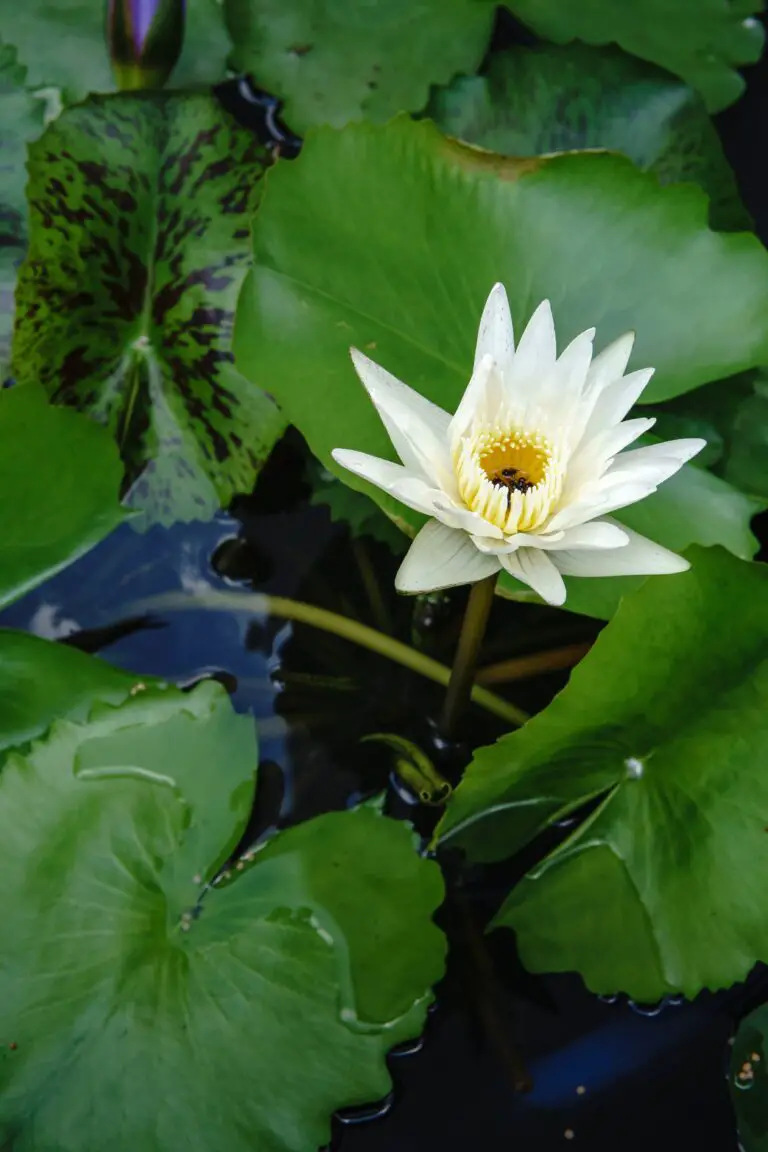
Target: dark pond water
[605,1074]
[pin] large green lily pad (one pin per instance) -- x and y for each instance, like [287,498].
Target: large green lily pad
[62,44]
[139,243]
[42,681]
[179,1017]
[59,481]
[333,61]
[664,721]
[21,120]
[391,238]
[555,98]
[703,41]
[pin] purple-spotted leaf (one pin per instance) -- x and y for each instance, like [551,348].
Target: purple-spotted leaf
[21,120]
[139,242]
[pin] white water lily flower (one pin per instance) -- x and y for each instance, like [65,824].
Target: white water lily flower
[523,475]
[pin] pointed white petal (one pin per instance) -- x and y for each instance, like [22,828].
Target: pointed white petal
[573,364]
[398,481]
[442,557]
[657,462]
[609,365]
[495,337]
[417,428]
[480,401]
[598,534]
[639,557]
[598,502]
[535,358]
[616,400]
[535,569]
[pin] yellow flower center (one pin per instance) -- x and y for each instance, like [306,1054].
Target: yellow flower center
[509,477]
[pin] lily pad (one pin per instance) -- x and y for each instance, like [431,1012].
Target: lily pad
[139,243]
[332,61]
[552,98]
[703,41]
[389,239]
[21,120]
[59,480]
[663,724]
[62,44]
[41,681]
[178,1016]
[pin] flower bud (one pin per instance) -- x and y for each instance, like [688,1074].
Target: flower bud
[145,39]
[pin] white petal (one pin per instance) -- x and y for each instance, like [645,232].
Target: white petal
[417,428]
[596,534]
[639,557]
[456,517]
[480,401]
[442,557]
[598,502]
[573,364]
[609,364]
[495,337]
[617,398]
[535,569]
[656,462]
[535,357]
[398,481]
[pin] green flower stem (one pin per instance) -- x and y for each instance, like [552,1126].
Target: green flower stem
[348,629]
[460,685]
[522,667]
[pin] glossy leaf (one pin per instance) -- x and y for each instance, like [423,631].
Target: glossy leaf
[21,120]
[333,61]
[179,1017]
[362,516]
[62,43]
[42,681]
[59,479]
[390,238]
[550,98]
[703,41]
[139,244]
[664,723]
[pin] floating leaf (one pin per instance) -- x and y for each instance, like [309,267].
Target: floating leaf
[59,480]
[139,244]
[550,98]
[390,239]
[41,681]
[333,61]
[62,43]
[703,41]
[749,1081]
[178,1017]
[664,721]
[21,120]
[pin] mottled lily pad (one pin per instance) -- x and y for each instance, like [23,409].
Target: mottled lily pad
[139,209]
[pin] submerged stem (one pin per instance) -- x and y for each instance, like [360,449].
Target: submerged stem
[521,667]
[465,661]
[353,630]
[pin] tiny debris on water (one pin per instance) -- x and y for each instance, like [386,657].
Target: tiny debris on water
[580,1090]
[569,1133]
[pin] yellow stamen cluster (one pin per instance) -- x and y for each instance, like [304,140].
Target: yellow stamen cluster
[509,477]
